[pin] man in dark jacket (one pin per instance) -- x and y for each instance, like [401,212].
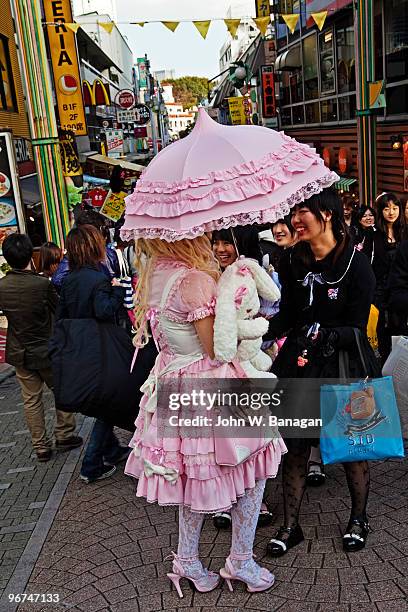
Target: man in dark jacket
[29,300]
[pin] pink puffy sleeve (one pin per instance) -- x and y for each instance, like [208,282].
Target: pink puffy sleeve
[197,293]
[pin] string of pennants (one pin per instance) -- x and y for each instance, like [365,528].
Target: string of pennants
[262,23]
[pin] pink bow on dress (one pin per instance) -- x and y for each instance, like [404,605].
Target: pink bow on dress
[240,293]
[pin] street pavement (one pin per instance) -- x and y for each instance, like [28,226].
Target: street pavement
[99,548]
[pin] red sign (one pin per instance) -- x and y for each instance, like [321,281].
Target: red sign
[140,132]
[344,160]
[97,196]
[125,99]
[327,155]
[268,92]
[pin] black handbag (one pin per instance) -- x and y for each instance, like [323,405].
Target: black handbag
[91,363]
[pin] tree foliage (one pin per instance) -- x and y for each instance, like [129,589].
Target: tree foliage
[189,90]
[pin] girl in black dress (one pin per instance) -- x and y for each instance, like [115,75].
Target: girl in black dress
[391,224]
[326,281]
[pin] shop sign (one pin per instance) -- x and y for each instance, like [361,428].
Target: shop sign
[114,205]
[140,132]
[114,142]
[270,52]
[328,156]
[142,68]
[11,214]
[69,154]
[126,116]
[237,111]
[97,94]
[263,8]
[22,150]
[268,92]
[142,114]
[125,99]
[97,196]
[65,68]
[405,152]
[344,160]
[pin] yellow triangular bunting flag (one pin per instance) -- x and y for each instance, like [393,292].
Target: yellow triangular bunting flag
[202,27]
[262,24]
[319,18]
[139,23]
[74,27]
[291,21]
[107,26]
[171,25]
[232,25]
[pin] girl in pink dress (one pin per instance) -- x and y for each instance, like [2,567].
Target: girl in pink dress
[176,293]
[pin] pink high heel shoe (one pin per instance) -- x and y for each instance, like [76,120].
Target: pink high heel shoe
[266,579]
[205,583]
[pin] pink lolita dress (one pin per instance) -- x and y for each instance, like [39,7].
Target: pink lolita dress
[183,471]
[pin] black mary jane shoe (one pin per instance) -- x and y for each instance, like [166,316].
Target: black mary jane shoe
[315,475]
[265,517]
[286,538]
[356,535]
[222,520]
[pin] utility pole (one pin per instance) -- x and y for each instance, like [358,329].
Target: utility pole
[150,93]
[366,118]
[42,119]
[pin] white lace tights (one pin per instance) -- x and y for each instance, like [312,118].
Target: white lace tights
[244,516]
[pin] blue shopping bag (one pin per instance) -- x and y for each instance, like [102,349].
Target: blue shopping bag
[360,421]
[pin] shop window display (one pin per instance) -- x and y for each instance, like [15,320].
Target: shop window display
[346,65]
[329,110]
[396,40]
[312,113]
[347,108]
[310,64]
[327,65]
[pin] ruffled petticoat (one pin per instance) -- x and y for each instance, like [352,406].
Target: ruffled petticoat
[202,485]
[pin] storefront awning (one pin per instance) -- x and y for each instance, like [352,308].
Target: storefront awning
[344,183]
[102,159]
[289,60]
[30,190]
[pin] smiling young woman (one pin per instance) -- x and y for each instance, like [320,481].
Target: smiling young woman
[326,281]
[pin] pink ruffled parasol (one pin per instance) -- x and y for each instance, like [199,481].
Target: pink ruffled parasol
[221,176]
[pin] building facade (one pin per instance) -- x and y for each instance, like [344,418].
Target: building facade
[317,84]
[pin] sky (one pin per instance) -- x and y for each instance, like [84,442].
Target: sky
[184,50]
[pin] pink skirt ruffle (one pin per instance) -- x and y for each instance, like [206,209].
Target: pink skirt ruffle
[202,485]
[206,488]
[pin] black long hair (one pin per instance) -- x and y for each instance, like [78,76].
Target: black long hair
[246,240]
[399,225]
[326,201]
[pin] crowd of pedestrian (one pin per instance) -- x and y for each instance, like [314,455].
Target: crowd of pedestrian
[332,262]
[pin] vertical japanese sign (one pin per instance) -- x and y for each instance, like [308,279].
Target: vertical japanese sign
[69,154]
[65,67]
[11,213]
[263,8]
[141,64]
[268,92]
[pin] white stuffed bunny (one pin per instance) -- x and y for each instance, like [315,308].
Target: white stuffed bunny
[237,330]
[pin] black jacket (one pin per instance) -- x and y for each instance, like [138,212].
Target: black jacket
[398,290]
[381,254]
[28,300]
[340,300]
[88,294]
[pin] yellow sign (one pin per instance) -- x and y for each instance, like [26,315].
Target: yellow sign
[263,8]
[237,111]
[64,61]
[69,154]
[114,205]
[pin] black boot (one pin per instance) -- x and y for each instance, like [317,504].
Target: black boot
[356,535]
[287,537]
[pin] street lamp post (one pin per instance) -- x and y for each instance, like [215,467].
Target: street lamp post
[41,115]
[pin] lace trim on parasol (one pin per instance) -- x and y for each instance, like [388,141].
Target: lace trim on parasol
[291,151]
[265,216]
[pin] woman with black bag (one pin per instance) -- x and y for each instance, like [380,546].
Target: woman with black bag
[327,290]
[87,294]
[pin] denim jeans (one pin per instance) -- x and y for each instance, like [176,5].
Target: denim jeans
[103,444]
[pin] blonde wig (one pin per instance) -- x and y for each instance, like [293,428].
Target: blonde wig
[195,254]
